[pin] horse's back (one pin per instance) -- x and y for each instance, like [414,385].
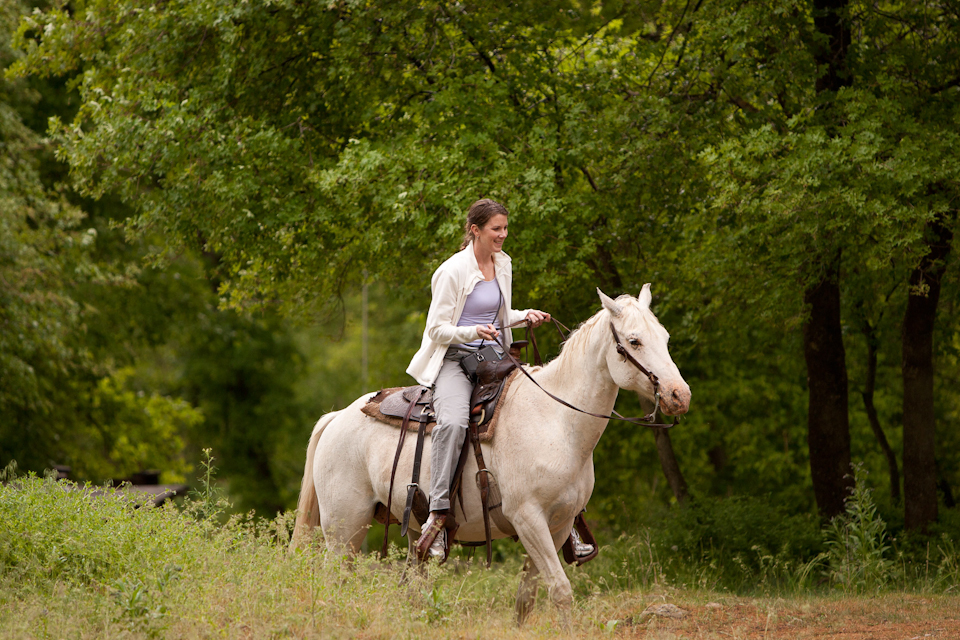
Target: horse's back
[354,455]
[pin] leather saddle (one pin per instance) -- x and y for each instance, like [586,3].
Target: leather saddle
[491,376]
[395,404]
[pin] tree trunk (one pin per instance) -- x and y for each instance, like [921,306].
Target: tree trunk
[870,333]
[668,459]
[828,425]
[671,468]
[919,421]
[828,20]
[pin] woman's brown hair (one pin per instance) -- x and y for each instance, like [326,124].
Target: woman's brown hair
[479,214]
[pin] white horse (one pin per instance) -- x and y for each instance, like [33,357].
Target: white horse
[541,456]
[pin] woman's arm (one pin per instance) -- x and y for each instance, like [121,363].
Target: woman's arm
[537,317]
[534,315]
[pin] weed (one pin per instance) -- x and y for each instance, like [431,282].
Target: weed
[856,542]
[208,502]
[9,472]
[437,607]
[140,609]
[948,571]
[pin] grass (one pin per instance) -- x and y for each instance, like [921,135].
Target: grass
[81,565]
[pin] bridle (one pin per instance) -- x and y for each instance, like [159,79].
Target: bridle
[654,380]
[648,420]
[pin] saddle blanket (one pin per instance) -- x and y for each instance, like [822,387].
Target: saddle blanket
[372,409]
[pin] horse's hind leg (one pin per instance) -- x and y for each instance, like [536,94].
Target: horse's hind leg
[345,526]
[341,477]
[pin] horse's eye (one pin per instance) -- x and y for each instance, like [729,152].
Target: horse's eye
[634,342]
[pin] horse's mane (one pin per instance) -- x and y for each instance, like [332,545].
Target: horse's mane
[578,342]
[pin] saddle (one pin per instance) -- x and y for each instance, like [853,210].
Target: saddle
[493,378]
[394,405]
[414,406]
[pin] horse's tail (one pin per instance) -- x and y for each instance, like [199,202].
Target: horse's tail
[308,507]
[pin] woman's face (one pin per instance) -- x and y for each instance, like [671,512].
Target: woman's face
[492,235]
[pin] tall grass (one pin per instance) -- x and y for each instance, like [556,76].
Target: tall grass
[81,562]
[80,559]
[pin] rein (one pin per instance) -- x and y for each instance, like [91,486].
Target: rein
[648,420]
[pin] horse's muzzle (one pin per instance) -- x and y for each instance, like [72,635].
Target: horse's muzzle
[676,401]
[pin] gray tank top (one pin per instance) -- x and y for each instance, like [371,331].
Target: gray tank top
[481,307]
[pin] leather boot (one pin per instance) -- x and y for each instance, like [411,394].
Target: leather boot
[580,548]
[435,537]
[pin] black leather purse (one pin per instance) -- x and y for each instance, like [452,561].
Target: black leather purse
[470,362]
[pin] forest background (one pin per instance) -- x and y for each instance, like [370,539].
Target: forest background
[194,195]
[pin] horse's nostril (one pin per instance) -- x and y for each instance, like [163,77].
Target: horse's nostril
[676,395]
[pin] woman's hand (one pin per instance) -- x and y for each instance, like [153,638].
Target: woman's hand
[488,331]
[536,317]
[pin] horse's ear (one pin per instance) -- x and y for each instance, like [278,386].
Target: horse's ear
[645,296]
[608,304]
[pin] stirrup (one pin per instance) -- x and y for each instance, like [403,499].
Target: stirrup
[580,548]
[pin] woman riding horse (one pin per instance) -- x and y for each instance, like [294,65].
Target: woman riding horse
[471,294]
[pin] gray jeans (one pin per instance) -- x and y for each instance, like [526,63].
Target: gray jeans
[451,399]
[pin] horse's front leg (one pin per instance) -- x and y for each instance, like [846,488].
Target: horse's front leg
[541,547]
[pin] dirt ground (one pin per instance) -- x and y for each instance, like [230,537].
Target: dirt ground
[882,618]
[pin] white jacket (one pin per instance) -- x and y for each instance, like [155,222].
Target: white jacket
[452,282]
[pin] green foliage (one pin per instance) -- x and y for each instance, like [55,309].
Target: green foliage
[275,155]
[349,136]
[99,358]
[130,431]
[333,376]
[737,544]
[60,403]
[41,249]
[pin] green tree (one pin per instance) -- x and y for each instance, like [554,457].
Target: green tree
[59,403]
[845,179]
[771,168]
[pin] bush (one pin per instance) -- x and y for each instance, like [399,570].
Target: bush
[737,544]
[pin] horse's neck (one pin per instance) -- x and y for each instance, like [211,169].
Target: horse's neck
[580,376]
